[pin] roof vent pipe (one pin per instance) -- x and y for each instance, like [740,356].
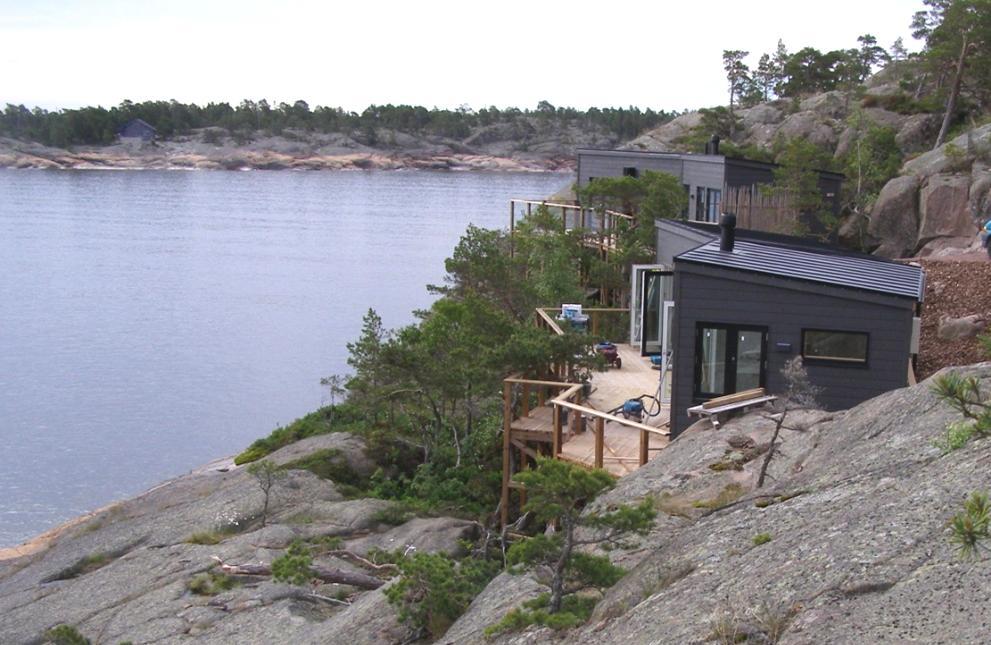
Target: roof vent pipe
[727,227]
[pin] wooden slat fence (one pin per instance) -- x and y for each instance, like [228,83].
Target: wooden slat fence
[758,210]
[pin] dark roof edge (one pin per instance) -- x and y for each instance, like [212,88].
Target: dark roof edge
[837,175]
[779,240]
[788,278]
[648,153]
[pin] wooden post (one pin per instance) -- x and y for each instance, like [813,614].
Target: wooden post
[556,440]
[644,446]
[600,440]
[526,400]
[512,228]
[595,323]
[507,422]
[529,207]
[540,396]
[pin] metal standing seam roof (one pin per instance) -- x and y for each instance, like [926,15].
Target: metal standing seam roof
[844,271]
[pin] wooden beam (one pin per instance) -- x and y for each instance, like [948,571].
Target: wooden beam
[542,436]
[556,442]
[512,228]
[525,449]
[730,399]
[644,446]
[610,417]
[507,431]
[520,381]
[600,439]
[523,466]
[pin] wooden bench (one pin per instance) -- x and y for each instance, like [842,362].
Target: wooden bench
[713,408]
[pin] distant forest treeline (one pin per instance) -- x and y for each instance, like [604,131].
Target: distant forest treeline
[98,125]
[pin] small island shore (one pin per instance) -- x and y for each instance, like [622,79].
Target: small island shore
[271,153]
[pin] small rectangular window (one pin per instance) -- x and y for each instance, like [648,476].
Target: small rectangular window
[834,346]
[630,171]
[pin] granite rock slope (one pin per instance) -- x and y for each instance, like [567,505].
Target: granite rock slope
[854,545]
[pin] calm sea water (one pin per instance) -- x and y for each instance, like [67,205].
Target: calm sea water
[153,321]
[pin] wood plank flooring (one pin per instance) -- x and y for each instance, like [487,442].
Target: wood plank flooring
[610,389]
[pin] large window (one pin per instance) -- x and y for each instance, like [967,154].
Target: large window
[846,347]
[728,359]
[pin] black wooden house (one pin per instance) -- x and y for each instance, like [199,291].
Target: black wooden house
[137,129]
[743,303]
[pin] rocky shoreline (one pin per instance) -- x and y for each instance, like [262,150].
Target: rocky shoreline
[273,154]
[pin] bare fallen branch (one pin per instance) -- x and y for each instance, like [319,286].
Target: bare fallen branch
[324,574]
[349,555]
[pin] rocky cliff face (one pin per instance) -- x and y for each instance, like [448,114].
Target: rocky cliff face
[848,543]
[853,544]
[934,206]
[938,204]
[129,572]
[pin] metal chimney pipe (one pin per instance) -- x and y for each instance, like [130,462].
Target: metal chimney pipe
[727,228]
[714,145]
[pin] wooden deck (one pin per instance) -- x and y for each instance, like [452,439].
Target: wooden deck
[610,389]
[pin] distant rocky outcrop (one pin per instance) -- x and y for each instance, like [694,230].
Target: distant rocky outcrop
[527,144]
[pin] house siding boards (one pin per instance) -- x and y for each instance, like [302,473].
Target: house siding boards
[743,172]
[673,240]
[610,163]
[785,307]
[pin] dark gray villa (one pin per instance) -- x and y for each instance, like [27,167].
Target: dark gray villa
[137,130]
[728,308]
[705,177]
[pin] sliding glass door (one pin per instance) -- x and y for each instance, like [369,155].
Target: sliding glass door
[728,359]
[657,289]
[652,285]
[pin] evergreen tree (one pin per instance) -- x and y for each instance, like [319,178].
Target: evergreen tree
[558,491]
[737,73]
[957,35]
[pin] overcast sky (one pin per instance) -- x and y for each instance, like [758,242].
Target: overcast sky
[664,55]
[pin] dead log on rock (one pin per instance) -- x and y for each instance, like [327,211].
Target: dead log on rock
[324,574]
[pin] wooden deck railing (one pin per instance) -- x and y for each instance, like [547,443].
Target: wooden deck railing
[562,402]
[566,399]
[602,225]
[547,317]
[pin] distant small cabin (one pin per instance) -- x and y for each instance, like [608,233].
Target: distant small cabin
[137,129]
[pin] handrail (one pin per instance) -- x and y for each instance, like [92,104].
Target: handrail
[544,316]
[592,412]
[538,202]
[525,381]
[550,322]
